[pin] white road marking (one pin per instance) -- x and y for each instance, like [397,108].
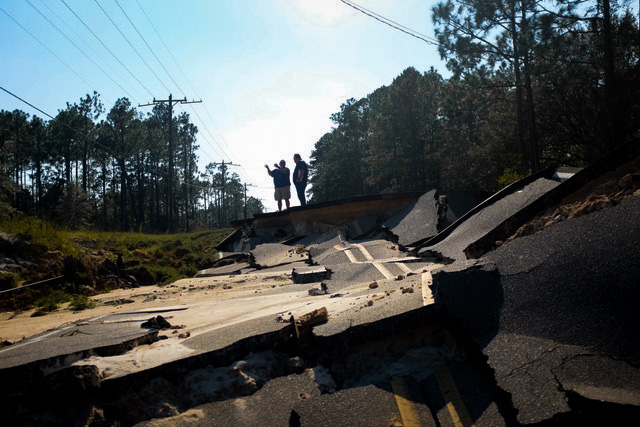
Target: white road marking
[382,269]
[404,267]
[351,256]
[364,251]
[379,264]
[427,295]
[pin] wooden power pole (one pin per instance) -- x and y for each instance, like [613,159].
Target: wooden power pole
[171,102]
[245,198]
[223,169]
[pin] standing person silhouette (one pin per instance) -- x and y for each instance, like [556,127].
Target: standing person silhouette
[281,182]
[300,178]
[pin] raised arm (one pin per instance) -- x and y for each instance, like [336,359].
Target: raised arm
[282,169]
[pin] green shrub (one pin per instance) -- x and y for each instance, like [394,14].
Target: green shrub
[7,213]
[53,300]
[82,302]
[50,302]
[164,274]
[161,258]
[510,176]
[39,312]
[188,271]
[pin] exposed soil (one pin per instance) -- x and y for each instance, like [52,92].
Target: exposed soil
[606,194]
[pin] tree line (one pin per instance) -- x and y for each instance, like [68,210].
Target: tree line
[532,84]
[111,170]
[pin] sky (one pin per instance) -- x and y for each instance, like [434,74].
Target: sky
[269,72]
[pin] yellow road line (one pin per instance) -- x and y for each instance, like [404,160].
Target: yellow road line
[408,410]
[455,405]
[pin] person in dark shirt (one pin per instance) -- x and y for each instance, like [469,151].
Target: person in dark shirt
[281,182]
[300,178]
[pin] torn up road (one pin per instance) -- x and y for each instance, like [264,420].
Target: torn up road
[358,312]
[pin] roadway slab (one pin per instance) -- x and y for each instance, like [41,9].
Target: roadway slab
[556,313]
[463,392]
[369,304]
[44,353]
[379,249]
[233,268]
[379,391]
[274,254]
[227,334]
[487,219]
[269,406]
[415,222]
[297,400]
[361,226]
[461,202]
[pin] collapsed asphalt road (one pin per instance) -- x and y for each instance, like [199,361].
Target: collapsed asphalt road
[341,326]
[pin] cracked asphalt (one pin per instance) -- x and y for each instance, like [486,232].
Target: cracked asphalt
[558,311]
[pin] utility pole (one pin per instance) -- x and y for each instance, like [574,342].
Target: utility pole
[245,198]
[171,102]
[223,169]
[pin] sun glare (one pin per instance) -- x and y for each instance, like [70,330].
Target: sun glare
[320,12]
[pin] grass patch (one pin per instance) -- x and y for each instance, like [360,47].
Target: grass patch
[39,232]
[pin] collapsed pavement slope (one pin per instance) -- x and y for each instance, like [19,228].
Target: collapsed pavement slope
[485,220]
[556,312]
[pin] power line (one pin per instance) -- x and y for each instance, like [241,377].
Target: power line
[77,47]
[105,46]
[71,30]
[211,151]
[132,46]
[150,49]
[44,46]
[68,27]
[209,132]
[392,24]
[165,46]
[57,120]
[188,81]
[206,145]
[202,122]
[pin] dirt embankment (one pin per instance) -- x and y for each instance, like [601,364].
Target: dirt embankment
[24,263]
[607,194]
